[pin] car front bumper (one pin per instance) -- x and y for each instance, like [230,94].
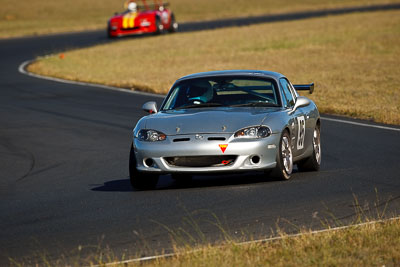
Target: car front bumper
[244,154]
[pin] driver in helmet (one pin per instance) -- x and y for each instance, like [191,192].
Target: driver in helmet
[200,91]
[132,6]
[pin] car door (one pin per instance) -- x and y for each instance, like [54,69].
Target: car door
[309,123]
[297,119]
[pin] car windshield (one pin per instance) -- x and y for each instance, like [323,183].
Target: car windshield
[223,91]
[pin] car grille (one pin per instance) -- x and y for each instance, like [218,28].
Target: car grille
[201,161]
[209,139]
[129,29]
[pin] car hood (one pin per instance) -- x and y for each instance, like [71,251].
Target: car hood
[205,120]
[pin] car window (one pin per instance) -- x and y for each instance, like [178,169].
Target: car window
[223,91]
[288,96]
[294,92]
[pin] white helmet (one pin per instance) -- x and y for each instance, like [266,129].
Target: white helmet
[132,6]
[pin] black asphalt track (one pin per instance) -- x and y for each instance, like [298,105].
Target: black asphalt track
[64,187]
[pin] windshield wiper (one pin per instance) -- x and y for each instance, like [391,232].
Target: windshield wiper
[202,105]
[255,104]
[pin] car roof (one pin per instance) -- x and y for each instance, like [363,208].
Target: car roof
[251,73]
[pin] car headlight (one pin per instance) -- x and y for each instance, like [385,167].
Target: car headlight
[151,135]
[253,132]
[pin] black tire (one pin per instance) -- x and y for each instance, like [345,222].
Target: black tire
[111,37]
[140,181]
[313,162]
[159,26]
[173,26]
[109,34]
[284,158]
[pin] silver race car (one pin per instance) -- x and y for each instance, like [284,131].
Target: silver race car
[227,121]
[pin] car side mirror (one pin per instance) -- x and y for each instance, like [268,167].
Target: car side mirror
[150,107]
[301,101]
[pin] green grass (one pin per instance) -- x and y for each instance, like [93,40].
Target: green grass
[353,60]
[35,17]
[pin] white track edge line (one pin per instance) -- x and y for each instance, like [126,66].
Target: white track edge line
[22,69]
[155,257]
[362,124]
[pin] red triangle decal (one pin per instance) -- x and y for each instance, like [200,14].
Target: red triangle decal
[223,147]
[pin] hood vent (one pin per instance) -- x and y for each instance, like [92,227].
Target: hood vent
[181,139]
[216,138]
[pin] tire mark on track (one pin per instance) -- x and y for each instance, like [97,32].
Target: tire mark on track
[30,173]
[23,153]
[33,162]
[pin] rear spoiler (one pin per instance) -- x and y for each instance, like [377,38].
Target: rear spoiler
[304,87]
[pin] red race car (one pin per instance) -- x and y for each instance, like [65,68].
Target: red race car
[147,18]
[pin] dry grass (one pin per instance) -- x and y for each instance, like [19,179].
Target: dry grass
[353,59]
[371,245]
[375,244]
[33,17]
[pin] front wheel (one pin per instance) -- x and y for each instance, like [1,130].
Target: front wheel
[313,162]
[109,35]
[284,159]
[140,181]
[159,26]
[173,26]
